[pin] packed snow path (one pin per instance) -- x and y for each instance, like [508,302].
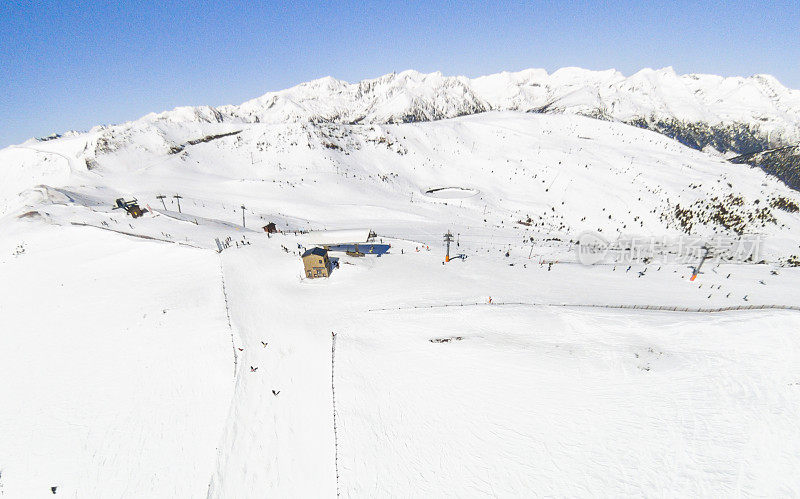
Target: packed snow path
[665,308]
[279,438]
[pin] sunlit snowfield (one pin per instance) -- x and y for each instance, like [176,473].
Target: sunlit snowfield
[129,346]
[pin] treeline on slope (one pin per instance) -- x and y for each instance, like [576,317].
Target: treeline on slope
[740,138]
[783,162]
[207,138]
[746,140]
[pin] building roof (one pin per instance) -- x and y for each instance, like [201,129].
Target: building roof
[315,251]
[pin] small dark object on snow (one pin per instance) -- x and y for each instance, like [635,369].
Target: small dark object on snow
[264,344]
[53,489]
[132,207]
[253,369]
[446,340]
[276,392]
[241,349]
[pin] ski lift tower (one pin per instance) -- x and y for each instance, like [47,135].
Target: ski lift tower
[448,238]
[696,270]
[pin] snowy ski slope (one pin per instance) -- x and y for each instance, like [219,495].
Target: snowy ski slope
[139,362]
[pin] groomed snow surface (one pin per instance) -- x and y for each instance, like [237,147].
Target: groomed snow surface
[568,403]
[123,387]
[139,362]
[115,366]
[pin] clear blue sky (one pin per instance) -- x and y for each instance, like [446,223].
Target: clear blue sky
[71,65]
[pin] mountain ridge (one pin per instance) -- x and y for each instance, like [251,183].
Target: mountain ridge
[734,115]
[727,116]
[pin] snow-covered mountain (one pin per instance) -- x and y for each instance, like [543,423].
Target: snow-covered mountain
[141,360]
[736,114]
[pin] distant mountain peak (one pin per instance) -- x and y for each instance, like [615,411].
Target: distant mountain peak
[734,115]
[650,95]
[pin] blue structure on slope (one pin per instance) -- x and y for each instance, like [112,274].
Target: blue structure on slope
[366,248]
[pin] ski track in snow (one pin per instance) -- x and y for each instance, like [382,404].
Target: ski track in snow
[667,308]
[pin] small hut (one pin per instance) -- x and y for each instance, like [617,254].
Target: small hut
[316,263]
